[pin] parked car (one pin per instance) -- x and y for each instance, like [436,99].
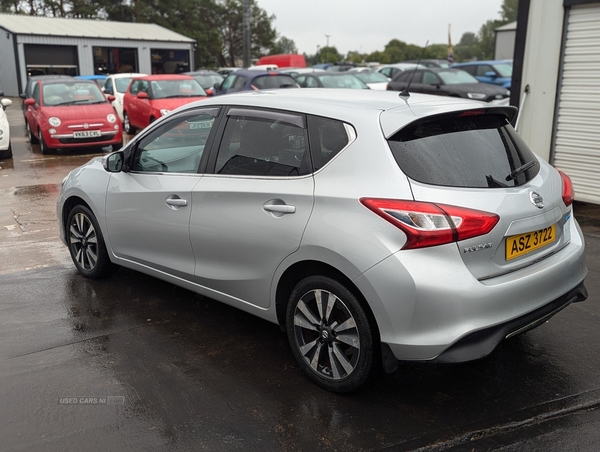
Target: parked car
[374,228]
[32,80]
[374,80]
[430,62]
[390,70]
[294,71]
[116,85]
[71,113]
[225,71]
[448,82]
[286,60]
[150,97]
[342,66]
[326,79]
[207,79]
[254,79]
[5,143]
[495,72]
[98,79]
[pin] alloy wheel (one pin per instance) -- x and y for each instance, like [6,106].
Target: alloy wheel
[83,241]
[326,334]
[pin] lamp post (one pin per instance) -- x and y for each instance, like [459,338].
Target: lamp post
[327,36]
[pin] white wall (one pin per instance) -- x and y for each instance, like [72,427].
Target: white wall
[540,72]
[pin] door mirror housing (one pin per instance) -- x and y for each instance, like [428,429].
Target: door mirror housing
[113,163]
[490,74]
[111,98]
[29,101]
[142,95]
[6,103]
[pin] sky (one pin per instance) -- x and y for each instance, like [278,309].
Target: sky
[368,25]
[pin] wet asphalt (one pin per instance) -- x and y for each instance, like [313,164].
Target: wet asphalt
[133,363]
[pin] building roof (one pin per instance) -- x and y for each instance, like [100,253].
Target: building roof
[87,28]
[507,27]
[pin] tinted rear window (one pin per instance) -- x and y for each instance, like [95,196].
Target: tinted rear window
[471,151]
[274,81]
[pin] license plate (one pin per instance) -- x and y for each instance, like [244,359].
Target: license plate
[87,134]
[200,125]
[521,244]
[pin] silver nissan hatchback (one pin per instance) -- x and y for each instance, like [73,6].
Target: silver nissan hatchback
[375,227]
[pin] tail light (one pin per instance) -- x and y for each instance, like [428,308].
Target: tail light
[568,194]
[428,224]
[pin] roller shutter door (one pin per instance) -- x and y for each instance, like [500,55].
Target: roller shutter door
[577,140]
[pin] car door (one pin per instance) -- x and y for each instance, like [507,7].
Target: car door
[251,212]
[32,114]
[432,84]
[148,206]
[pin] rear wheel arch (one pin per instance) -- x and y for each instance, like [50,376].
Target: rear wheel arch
[300,270]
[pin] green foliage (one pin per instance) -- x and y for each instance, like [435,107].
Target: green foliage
[283,45]
[330,55]
[509,10]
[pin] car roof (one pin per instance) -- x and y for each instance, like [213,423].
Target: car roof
[158,77]
[256,72]
[474,63]
[201,72]
[68,80]
[353,105]
[127,74]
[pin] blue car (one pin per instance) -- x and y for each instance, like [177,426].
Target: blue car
[254,79]
[496,72]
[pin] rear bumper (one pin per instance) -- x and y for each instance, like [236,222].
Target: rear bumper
[481,343]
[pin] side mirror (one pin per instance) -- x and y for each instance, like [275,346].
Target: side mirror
[490,74]
[142,95]
[111,98]
[217,86]
[6,103]
[210,92]
[29,101]
[113,163]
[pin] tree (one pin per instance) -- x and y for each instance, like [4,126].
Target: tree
[283,45]
[509,10]
[262,33]
[329,55]
[354,57]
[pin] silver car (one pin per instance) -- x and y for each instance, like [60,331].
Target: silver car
[376,228]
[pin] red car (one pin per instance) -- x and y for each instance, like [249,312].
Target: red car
[70,113]
[150,97]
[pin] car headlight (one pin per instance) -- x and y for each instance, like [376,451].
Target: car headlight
[164,111]
[54,121]
[111,118]
[62,184]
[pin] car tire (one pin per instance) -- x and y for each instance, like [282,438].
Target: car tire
[31,136]
[330,334]
[86,244]
[6,154]
[129,129]
[43,146]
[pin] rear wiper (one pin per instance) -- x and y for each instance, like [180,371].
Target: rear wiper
[521,169]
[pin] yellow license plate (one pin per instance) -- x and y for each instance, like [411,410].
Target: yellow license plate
[521,244]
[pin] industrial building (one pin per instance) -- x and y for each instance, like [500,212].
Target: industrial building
[31,45]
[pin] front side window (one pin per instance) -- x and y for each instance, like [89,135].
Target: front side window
[228,82]
[177,146]
[36,93]
[429,78]
[457,76]
[135,87]
[176,88]
[273,82]
[476,151]
[263,143]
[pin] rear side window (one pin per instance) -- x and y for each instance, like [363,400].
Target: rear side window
[327,137]
[479,151]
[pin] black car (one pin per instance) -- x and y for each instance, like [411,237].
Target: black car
[31,83]
[447,82]
[430,63]
[326,79]
[207,79]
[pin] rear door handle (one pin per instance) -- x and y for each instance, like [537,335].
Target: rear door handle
[279,208]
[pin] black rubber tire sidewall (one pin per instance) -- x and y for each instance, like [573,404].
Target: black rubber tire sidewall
[365,363]
[104,267]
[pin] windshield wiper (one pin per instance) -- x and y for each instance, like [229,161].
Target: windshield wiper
[521,169]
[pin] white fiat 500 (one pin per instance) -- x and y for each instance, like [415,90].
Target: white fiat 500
[5,144]
[375,227]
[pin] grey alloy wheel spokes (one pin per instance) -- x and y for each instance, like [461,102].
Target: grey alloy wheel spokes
[83,241]
[326,334]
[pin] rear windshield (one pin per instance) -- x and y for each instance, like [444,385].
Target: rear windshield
[274,81]
[480,151]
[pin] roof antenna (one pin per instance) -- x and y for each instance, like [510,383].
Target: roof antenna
[404,92]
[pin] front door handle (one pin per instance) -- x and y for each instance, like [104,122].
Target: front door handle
[175,202]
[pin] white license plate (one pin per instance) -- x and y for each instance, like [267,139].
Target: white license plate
[87,134]
[200,125]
